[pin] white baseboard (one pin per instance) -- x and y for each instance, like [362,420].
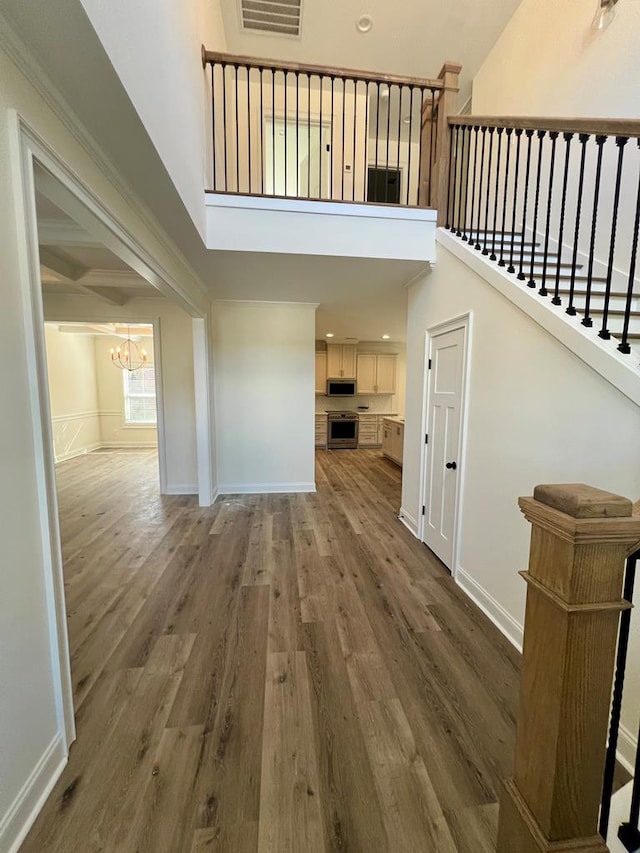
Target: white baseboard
[17,822]
[264,488]
[181,489]
[409,521]
[72,454]
[128,445]
[500,617]
[215,494]
[627,748]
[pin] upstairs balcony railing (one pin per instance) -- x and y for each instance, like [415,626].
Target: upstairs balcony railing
[556,202]
[328,134]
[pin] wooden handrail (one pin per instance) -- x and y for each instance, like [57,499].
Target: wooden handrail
[209,57]
[603,126]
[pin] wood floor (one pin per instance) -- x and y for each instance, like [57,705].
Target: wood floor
[278,673]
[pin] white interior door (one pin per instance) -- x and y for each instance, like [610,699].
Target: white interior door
[445,395]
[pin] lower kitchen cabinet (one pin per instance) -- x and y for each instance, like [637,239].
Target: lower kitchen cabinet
[321,431]
[393,439]
[368,431]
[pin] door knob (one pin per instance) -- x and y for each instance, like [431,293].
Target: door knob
[451,465]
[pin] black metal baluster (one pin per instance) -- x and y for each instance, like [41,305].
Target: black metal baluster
[411,88]
[502,261]
[273,130]
[492,256]
[344,110]
[571,309]
[618,689]
[213,122]
[453,167]
[465,235]
[485,247]
[623,346]
[321,78]
[464,129]
[586,320]
[421,158]
[483,131]
[521,275]
[386,167]
[553,136]
[473,180]
[567,154]
[297,78]
[261,136]
[451,179]
[604,333]
[365,158]
[333,80]
[355,131]
[541,134]
[308,135]
[237,122]
[224,123]
[249,124]
[400,94]
[286,134]
[511,267]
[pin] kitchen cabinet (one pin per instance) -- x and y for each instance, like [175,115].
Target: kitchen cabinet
[341,361]
[376,374]
[393,440]
[368,431]
[321,431]
[321,373]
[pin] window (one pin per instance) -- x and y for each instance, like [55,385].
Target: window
[140,395]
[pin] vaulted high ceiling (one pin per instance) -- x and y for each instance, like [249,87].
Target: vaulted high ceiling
[411,37]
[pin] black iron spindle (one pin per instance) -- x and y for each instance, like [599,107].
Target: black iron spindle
[485,247]
[465,235]
[365,143]
[462,145]
[308,135]
[476,130]
[502,261]
[400,94]
[571,309]
[213,122]
[453,166]
[224,124]
[492,256]
[525,201]
[321,131]
[567,154]
[451,181]
[261,135]
[511,267]
[297,79]
[333,80]
[600,141]
[411,88]
[623,346]
[553,136]
[249,124]
[344,110]
[541,134]
[237,123]
[621,141]
[386,164]
[355,137]
[483,131]
[420,157]
[618,689]
[273,131]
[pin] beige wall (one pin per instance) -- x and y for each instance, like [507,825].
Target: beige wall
[114,432]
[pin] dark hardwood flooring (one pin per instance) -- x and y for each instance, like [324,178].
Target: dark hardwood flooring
[277,673]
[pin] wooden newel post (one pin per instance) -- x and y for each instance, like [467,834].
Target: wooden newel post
[435,180]
[579,542]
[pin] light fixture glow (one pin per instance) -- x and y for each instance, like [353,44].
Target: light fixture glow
[329,335]
[605,13]
[386,337]
[364,23]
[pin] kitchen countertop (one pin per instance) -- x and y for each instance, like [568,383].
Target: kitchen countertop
[394,419]
[376,414]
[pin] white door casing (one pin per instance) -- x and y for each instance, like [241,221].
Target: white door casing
[446,387]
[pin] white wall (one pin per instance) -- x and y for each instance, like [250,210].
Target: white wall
[264,367]
[114,432]
[176,363]
[155,47]
[536,414]
[73,393]
[32,742]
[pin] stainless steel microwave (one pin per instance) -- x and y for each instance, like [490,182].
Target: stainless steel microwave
[341,387]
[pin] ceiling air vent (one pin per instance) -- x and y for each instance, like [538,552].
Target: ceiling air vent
[279,17]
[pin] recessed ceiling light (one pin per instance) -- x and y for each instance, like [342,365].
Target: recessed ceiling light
[329,335]
[364,23]
[386,337]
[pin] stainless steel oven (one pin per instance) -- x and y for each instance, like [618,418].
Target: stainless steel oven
[342,430]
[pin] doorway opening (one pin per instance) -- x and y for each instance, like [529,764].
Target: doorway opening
[297,157]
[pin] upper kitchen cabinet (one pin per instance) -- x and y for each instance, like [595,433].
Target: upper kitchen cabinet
[341,361]
[376,373]
[321,373]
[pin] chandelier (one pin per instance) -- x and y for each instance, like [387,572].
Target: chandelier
[129,356]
